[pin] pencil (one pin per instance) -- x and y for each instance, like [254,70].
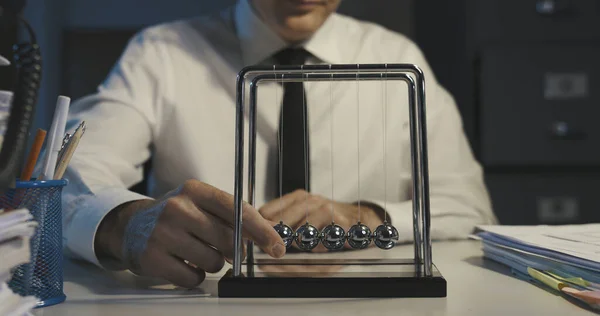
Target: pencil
[65,143]
[34,153]
[69,151]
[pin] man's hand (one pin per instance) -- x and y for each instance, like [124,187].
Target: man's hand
[192,234]
[292,209]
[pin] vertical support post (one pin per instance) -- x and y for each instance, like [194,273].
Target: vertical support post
[252,161]
[251,164]
[416,172]
[423,174]
[239,176]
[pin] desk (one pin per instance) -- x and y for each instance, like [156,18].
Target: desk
[475,287]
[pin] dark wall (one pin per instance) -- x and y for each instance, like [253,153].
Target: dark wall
[440,31]
[8,34]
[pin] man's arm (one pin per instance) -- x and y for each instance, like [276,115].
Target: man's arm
[178,237]
[121,124]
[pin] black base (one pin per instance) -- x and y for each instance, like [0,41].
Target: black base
[325,279]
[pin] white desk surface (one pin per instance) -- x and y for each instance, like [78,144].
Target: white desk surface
[475,287]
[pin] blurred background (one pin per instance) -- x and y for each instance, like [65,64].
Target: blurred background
[525,74]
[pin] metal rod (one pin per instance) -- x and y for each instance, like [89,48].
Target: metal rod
[239,176]
[415,156]
[390,68]
[251,171]
[348,72]
[295,77]
[424,186]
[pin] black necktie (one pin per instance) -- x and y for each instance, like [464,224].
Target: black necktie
[293,129]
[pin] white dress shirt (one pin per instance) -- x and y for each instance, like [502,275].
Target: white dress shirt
[171,98]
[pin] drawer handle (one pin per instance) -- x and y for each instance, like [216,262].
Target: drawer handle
[563,131]
[557,209]
[552,7]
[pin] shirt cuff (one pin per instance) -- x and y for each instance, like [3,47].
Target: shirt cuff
[88,211]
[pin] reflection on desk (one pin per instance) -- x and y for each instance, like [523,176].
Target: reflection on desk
[299,270]
[475,287]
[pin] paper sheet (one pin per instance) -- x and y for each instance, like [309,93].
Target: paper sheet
[16,228]
[12,218]
[13,304]
[13,253]
[26,229]
[581,241]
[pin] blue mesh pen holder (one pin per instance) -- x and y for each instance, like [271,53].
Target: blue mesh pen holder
[42,277]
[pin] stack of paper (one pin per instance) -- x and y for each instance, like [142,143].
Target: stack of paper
[16,229]
[565,259]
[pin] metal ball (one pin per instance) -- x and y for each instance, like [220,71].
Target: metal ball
[286,233]
[359,236]
[385,236]
[333,237]
[307,237]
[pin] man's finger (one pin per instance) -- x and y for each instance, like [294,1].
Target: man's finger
[201,225]
[274,207]
[209,229]
[174,270]
[198,253]
[221,204]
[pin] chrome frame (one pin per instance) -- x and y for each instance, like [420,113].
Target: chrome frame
[343,72]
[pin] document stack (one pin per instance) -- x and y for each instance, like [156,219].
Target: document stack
[563,259]
[16,229]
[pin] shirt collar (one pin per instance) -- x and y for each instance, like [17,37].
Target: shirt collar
[258,42]
[324,44]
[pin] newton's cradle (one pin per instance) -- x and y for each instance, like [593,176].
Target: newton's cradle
[385,277]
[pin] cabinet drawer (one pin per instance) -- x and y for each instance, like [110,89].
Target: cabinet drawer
[517,20]
[540,106]
[545,199]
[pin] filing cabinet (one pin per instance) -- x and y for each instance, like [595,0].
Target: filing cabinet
[539,105]
[526,77]
[548,198]
[538,85]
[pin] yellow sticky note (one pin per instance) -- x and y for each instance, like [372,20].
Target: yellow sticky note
[591,297]
[577,281]
[546,279]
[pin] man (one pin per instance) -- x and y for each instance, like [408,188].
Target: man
[171,97]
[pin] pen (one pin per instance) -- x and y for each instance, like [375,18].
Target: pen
[57,129]
[36,147]
[69,151]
